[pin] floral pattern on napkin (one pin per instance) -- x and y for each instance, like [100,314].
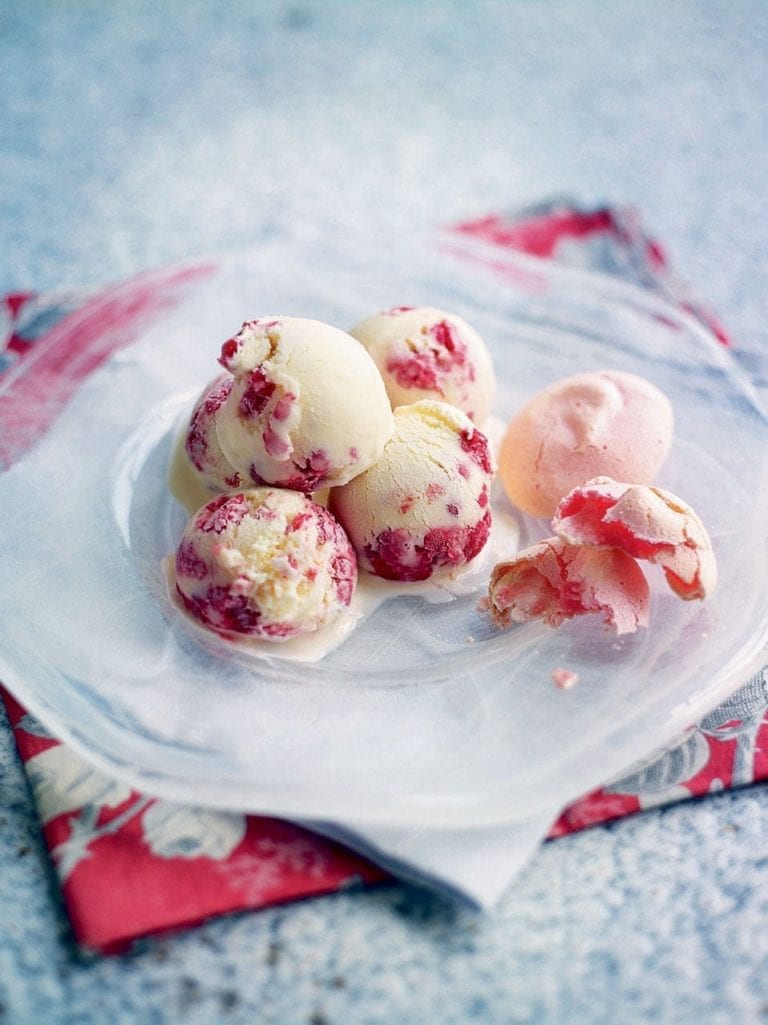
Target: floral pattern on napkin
[131,865]
[729,748]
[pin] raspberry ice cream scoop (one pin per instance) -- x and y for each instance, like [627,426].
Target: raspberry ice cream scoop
[202,442]
[307,409]
[554,581]
[647,523]
[266,563]
[424,353]
[606,423]
[423,508]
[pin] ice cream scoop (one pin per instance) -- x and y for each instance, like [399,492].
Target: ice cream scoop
[554,581]
[425,353]
[307,409]
[264,563]
[606,423]
[202,442]
[423,508]
[647,523]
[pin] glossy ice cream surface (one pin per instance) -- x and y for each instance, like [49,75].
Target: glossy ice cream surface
[307,409]
[423,508]
[264,563]
[423,352]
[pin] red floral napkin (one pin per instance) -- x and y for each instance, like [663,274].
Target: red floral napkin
[130,865]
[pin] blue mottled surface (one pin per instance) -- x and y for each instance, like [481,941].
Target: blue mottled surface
[135,136]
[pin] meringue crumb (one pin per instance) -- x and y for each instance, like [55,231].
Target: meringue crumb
[564,679]
[469,639]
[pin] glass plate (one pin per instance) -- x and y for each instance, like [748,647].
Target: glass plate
[425,714]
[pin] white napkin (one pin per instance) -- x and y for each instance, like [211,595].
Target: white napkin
[477,865]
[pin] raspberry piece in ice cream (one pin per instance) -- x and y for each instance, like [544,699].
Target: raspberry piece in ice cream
[202,442]
[425,353]
[647,523]
[264,563]
[307,408]
[554,581]
[422,509]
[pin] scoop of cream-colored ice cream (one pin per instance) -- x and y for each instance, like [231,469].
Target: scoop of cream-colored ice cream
[606,423]
[425,353]
[307,409]
[423,508]
[202,442]
[264,563]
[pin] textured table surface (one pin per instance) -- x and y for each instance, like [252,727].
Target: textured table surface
[137,135]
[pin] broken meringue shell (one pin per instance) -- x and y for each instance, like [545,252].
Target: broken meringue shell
[646,523]
[555,581]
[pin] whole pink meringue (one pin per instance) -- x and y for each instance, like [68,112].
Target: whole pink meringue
[603,423]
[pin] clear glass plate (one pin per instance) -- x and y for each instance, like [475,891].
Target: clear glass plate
[426,714]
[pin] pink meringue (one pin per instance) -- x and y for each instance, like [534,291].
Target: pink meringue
[646,523]
[555,581]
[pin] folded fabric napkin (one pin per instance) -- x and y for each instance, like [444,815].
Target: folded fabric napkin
[131,865]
